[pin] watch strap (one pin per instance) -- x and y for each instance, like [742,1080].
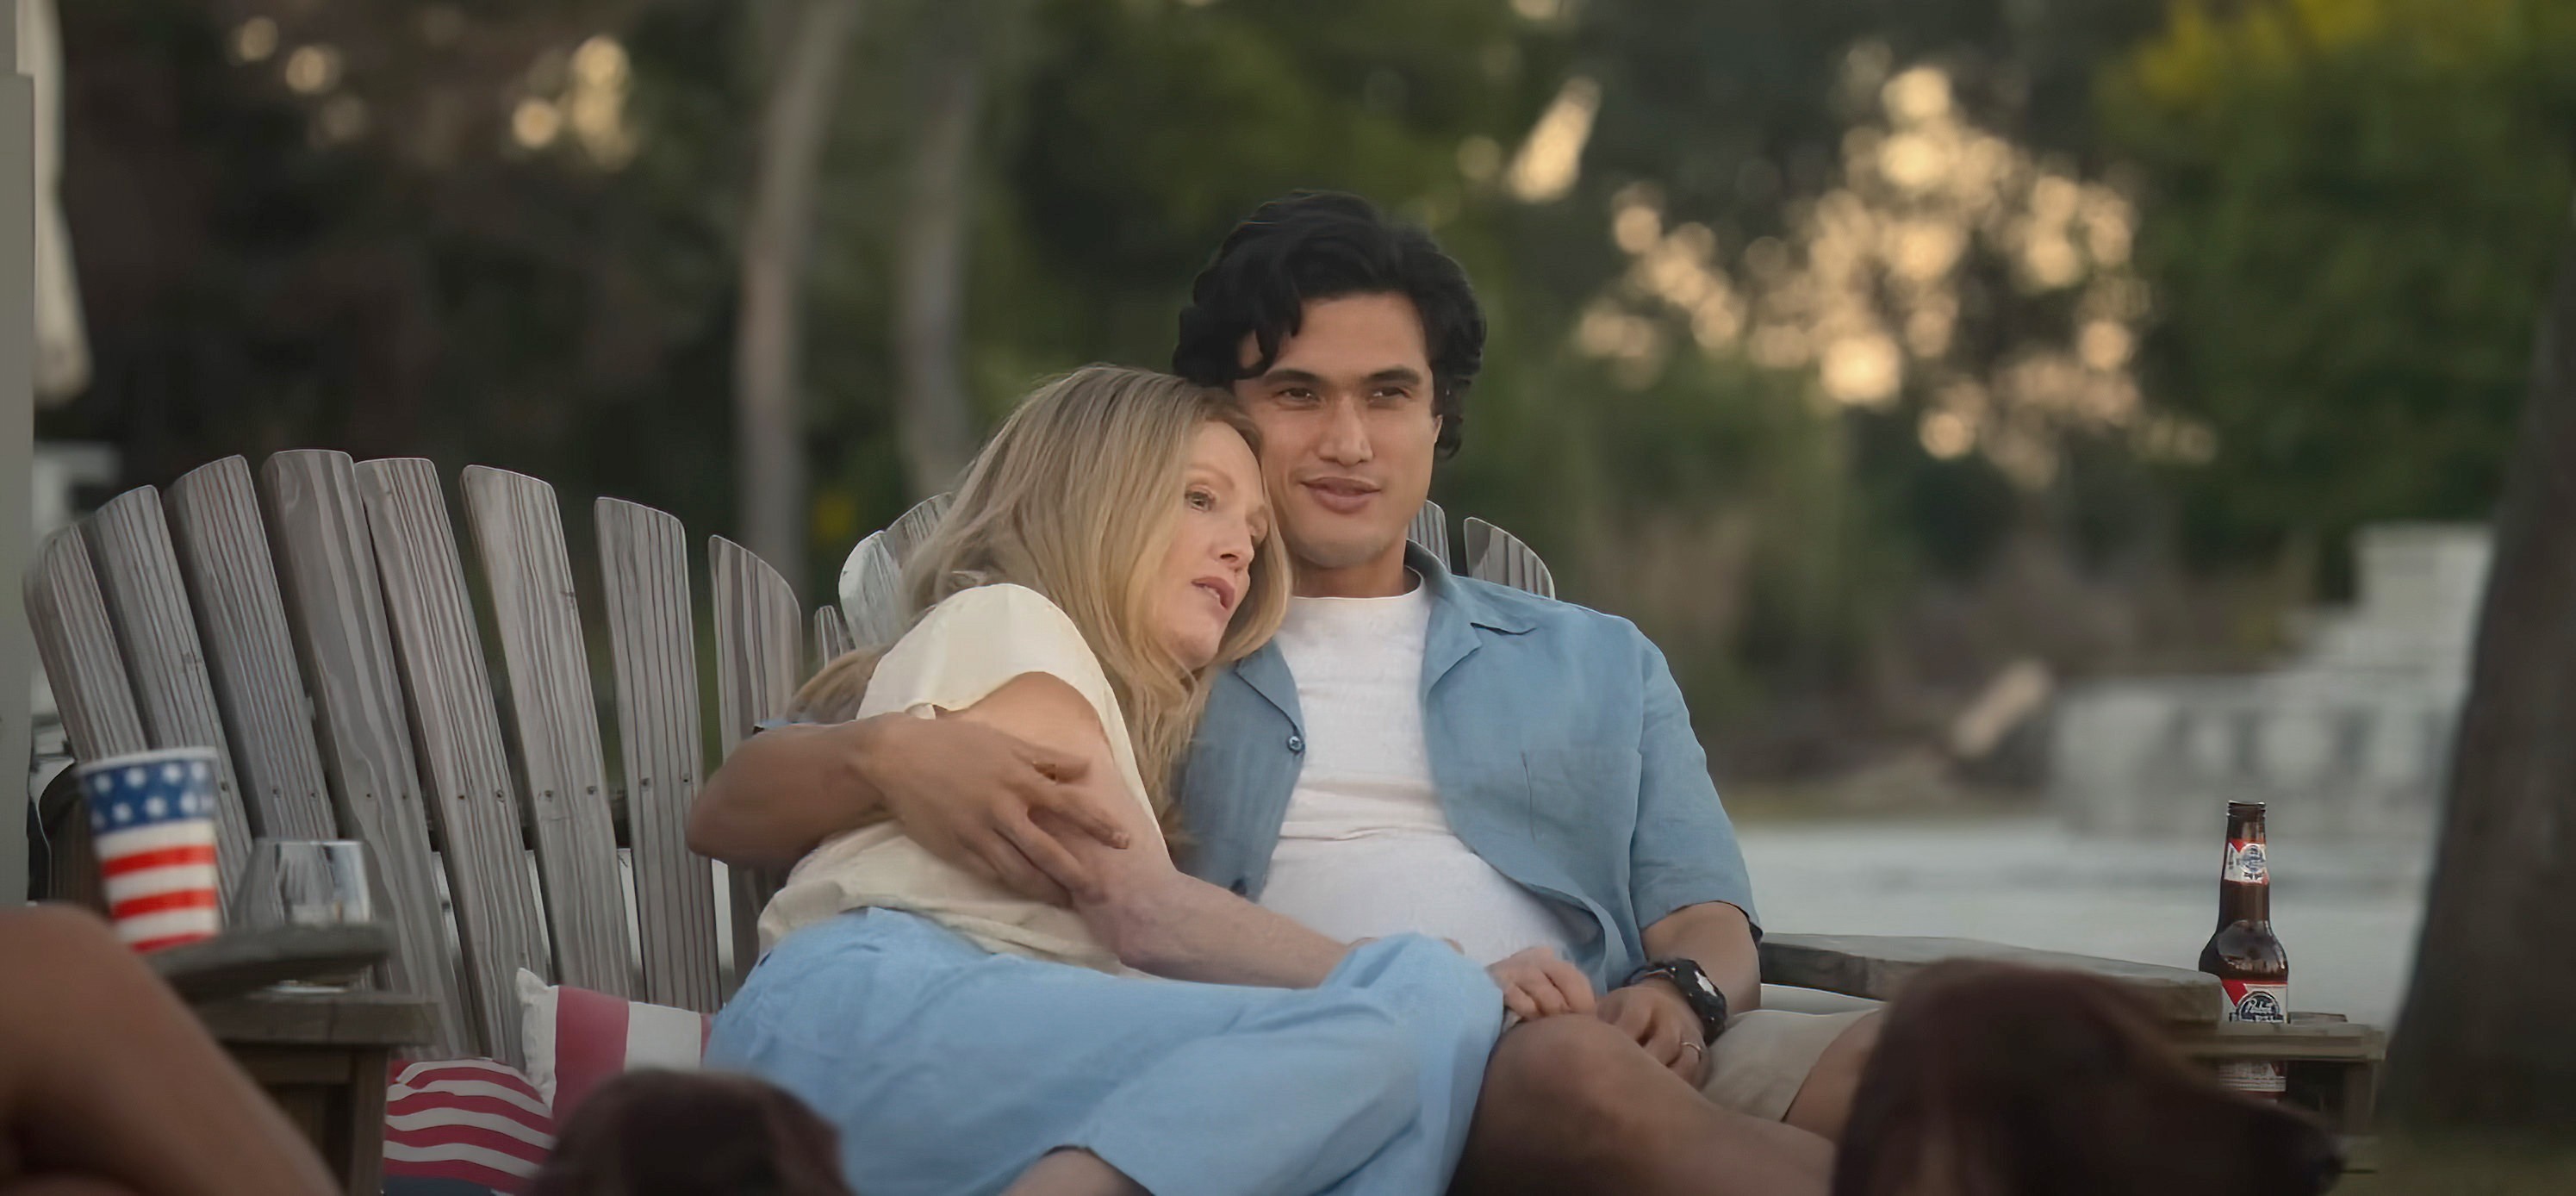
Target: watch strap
[1706,1000]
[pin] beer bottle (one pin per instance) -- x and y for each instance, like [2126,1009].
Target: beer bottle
[2247,958]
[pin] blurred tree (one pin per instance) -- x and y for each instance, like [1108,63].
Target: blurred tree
[1849,267]
[2485,1040]
[802,59]
[947,88]
[1808,320]
[472,233]
[2352,209]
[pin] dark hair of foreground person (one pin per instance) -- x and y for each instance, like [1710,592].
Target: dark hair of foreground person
[669,1133]
[1995,1080]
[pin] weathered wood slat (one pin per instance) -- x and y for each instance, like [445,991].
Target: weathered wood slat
[458,735]
[77,642]
[240,961]
[223,553]
[872,595]
[518,536]
[758,647]
[1498,556]
[872,600]
[2306,1036]
[644,570]
[1430,529]
[71,859]
[326,565]
[914,526]
[138,572]
[1878,967]
[316,1019]
[831,637]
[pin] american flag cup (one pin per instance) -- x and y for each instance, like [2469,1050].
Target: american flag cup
[152,815]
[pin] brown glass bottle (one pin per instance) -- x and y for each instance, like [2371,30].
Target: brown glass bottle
[2248,959]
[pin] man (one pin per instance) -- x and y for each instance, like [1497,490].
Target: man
[1414,752]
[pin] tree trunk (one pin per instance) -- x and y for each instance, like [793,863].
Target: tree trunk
[938,434]
[2488,1036]
[769,442]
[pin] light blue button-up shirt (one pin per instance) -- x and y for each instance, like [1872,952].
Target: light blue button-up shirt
[1560,747]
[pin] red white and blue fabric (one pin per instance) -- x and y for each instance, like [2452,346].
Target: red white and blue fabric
[577,1039]
[470,1120]
[152,817]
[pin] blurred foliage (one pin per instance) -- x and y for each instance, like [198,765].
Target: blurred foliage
[2354,211]
[1731,393]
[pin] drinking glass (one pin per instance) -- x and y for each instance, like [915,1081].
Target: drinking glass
[305,882]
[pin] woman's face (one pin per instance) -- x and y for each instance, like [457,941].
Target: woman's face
[1208,568]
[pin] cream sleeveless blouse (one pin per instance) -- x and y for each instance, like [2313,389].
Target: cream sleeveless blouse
[965,648]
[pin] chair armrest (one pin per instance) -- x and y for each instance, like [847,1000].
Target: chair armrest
[1878,967]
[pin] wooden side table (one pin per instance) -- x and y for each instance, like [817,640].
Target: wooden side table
[2333,1064]
[323,1057]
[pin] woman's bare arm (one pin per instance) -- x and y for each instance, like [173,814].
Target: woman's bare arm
[962,789]
[1156,918]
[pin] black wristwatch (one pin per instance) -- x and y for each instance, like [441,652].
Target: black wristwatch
[1703,996]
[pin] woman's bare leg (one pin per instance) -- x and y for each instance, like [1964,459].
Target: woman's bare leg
[1069,1173]
[105,1077]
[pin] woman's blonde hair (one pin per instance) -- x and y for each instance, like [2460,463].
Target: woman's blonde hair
[1078,497]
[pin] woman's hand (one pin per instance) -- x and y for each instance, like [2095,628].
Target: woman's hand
[1537,984]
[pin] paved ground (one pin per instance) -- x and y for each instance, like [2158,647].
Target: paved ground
[2347,912]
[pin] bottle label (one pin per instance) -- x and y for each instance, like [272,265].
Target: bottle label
[2256,1001]
[2245,863]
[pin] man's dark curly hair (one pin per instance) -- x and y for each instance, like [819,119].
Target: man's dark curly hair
[1324,245]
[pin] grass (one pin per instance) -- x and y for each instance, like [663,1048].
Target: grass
[2467,1166]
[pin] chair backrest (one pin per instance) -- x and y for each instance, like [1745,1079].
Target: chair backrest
[317,630]
[1498,556]
[871,591]
[1430,529]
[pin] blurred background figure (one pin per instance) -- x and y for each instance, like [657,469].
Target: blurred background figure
[109,1086]
[2025,426]
[665,1133]
[1992,1080]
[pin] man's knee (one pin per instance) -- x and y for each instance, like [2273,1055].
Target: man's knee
[1570,1083]
[1824,1102]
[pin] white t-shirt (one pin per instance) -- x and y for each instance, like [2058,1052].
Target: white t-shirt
[1366,850]
[968,646]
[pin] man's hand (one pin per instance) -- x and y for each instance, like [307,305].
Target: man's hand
[1537,984]
[975,797]
[1654,1013]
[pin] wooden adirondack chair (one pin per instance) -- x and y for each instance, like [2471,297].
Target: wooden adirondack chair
[319,631]
[316,627]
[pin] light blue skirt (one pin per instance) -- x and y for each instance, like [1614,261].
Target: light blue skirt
[949,1069]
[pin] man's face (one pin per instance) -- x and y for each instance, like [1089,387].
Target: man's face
[1346,438]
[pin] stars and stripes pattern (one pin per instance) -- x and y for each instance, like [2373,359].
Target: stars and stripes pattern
[471,1120]
[152,816]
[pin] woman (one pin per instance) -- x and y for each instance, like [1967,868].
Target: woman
[1109,549]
